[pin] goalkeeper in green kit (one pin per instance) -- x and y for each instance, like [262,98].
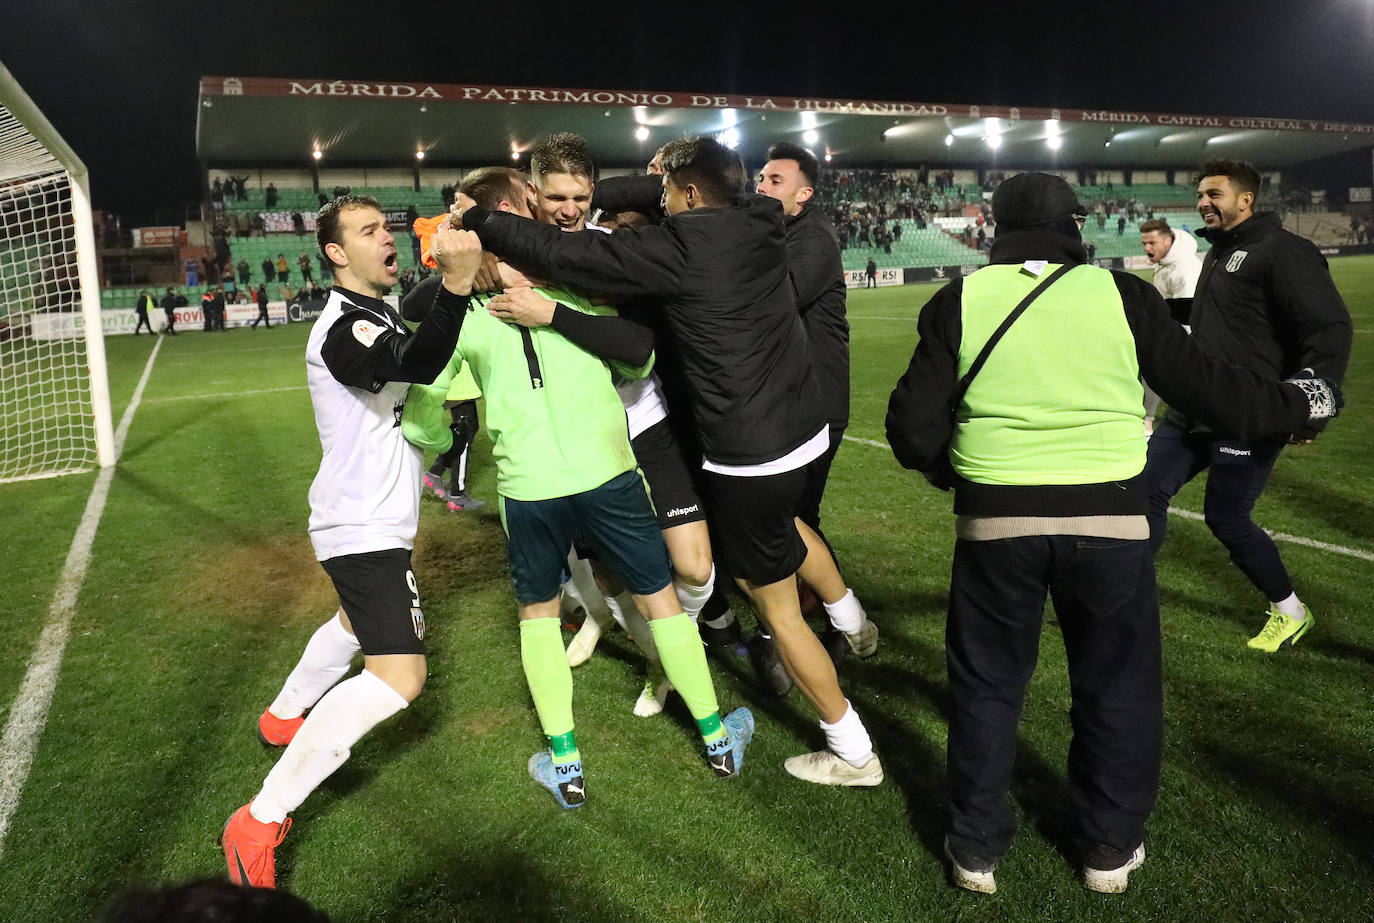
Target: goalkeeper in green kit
[564,466]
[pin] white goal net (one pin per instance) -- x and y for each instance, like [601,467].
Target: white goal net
[54,396]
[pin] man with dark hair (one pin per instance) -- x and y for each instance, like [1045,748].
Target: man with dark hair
[364,507]
[1046,461]
[1173,254]
[719,265]
[1265,301]
[817,275]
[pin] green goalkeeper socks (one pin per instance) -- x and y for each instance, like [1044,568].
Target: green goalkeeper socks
[684,660]
[550,681]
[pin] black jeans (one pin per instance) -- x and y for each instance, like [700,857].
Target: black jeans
[1238,474]
[1104,596]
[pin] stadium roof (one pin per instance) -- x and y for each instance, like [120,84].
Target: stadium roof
[247,120]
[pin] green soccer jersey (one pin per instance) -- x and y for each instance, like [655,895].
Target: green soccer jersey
[557,424]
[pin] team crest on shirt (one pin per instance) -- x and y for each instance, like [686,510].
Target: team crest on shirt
[366,332]
[417,618]
[1236,259]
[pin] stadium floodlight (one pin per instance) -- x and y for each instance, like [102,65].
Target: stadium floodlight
[949,140]
[54,389]
[994,141]
[419,155]
[811,137]
[827,157]
[317,153]
[1054,142]
[642,133]
[729,138]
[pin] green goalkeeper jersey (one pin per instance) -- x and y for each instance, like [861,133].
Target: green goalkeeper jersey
[557,425]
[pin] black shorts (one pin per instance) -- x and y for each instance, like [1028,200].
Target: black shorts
[378,594]
[817,473]
[668,476]
[617,522]
[752,524]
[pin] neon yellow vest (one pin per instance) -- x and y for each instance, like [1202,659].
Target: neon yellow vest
[1059,400]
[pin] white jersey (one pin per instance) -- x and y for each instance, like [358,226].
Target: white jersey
[366,496]
[643,399]
[644,403]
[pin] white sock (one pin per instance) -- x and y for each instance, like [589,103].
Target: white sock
[848,738]
[1292,607]
[581,590]
[725,620]
[327,659]
[692,598]
[349,711]
[845,613]
[625,612]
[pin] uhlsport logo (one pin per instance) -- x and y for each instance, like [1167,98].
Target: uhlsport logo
[1232,450]
[683,510]
[1236,259]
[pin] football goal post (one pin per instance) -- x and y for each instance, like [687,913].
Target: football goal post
[54,391]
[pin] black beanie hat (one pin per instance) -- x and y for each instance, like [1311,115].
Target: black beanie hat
[1034,200]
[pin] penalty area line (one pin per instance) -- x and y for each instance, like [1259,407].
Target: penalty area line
[29,713]
[1189,514]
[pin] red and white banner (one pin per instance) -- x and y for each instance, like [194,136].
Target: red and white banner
[158,237]
[313,88]
[858,278]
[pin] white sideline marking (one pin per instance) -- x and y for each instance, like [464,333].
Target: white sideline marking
[221,395]
[1295,539]
[912,318]
[29,712]
[1189,514]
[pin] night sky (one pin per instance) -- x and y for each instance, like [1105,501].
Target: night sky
[119,80]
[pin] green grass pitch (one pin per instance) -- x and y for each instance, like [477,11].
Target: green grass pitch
[203,590]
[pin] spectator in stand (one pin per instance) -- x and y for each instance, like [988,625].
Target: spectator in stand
[304,262]
[241,192]
[169,307]
[324,200]
[244,274]
[192,267]
[269,196]
[982,238]
[1120,223]
[269,271]
[897,231]
[446,192]
[298,223]
[259,225]
[326,268]
[283,271]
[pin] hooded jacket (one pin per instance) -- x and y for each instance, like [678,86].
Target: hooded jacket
[1176,275]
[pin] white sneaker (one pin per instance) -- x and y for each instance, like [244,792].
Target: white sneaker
[584,642]
[981,881]
[825,768]
[864,642]
[1113,881]
[655,693]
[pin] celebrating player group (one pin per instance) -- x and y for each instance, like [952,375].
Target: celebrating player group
[664,361]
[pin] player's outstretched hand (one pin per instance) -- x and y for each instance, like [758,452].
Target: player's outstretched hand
[522,305]
[458,255]
[488,274]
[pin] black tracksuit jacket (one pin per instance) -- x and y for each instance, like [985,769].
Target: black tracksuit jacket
[722,278]
[813,259]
